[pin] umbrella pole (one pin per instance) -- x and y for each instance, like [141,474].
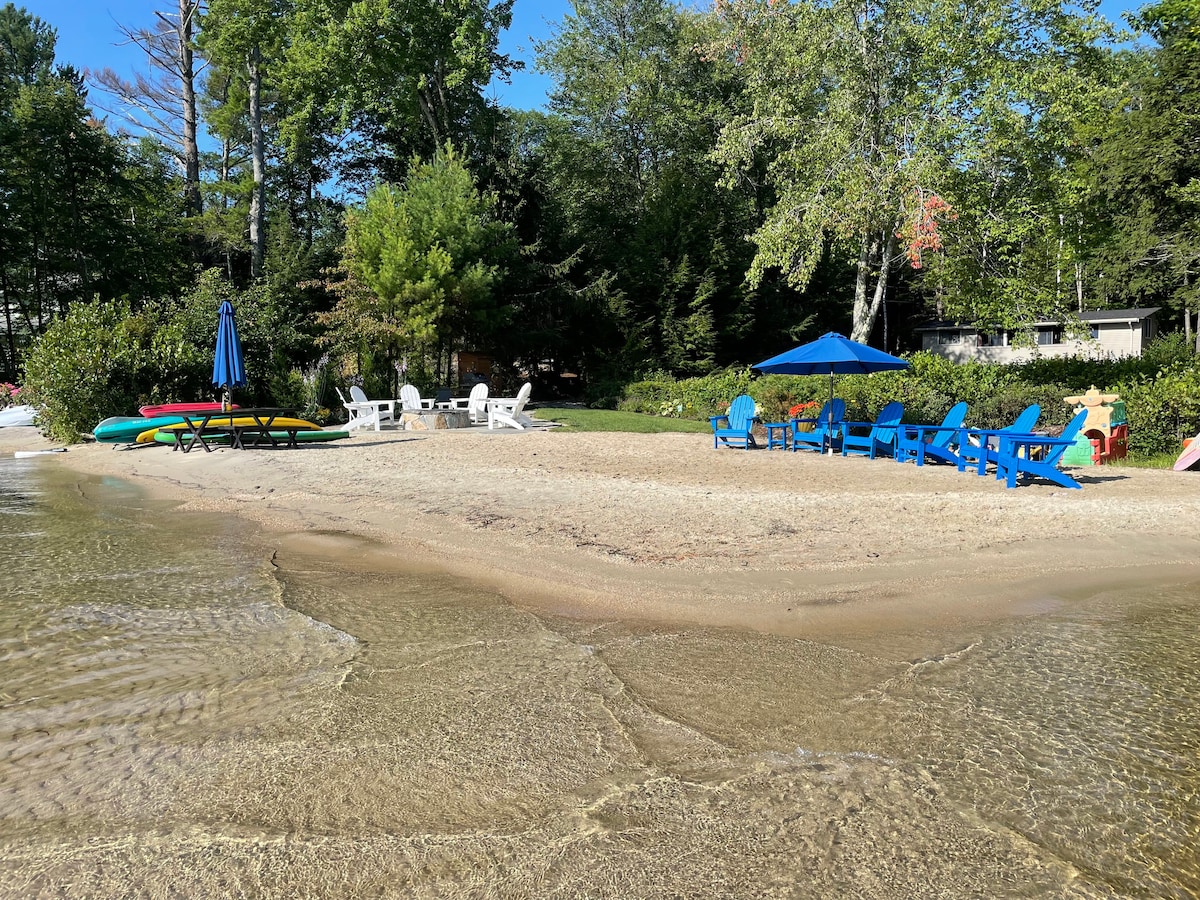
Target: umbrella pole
[829,428]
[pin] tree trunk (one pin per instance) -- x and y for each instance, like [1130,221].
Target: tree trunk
[193,205]
[430,116]
[873,261]
[1058,277]
[861,279]
[258,196]
[1079,261]
[11,365]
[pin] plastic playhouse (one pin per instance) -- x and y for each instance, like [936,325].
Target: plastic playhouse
[1105,431]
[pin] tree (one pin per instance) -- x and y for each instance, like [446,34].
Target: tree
[628,171]
[396,77]
[26,49]
[244,37]
[1146,168]
[163,103]
[867,108]
[424,260]
[85,215]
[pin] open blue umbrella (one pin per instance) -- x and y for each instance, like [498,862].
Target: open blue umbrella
[831,354]
[229,369]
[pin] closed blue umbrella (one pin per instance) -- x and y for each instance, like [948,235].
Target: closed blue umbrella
[831,354]
[229,369]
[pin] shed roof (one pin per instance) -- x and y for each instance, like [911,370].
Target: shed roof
[1094,316]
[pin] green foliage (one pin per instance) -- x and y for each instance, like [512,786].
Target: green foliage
[102,359]
[825,131]
[84,213]
[308,391]
[86,367]
[404,77]
[26,48]
[186,337]
[1162,409]
[690,398]
[427,256]
[1145,170]
[1161,392]
[627,191]
[1142,461]
[861,114]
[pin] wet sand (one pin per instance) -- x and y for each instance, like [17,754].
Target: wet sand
[663,528]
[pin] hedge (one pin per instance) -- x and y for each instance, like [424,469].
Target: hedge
[1161,391]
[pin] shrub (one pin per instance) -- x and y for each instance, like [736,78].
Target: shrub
[102,360]
[1163,409]
[1161,391]
[999,411]
[10,395]
[87,366]
[691,398]
[307,391]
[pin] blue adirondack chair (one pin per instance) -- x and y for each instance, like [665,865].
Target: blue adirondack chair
[881,439]
[734,428]
[938,442]
[983,450]
[826,428]
[1015,457]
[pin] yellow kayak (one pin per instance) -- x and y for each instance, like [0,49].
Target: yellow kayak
[281,422]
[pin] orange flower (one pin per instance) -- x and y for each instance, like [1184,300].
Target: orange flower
[804,410]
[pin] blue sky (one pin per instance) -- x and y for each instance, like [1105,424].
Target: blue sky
[88,37]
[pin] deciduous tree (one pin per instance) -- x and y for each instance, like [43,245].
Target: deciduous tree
[865,108]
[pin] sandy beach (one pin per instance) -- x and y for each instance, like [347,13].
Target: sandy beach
[662,527]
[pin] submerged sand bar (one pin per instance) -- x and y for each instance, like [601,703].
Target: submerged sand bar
[663,527]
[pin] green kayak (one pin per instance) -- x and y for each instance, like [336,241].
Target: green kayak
[302,437]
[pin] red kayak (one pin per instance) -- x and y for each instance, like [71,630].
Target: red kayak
[180,409]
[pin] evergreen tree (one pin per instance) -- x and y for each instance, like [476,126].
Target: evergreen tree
[424,261]
[85,215]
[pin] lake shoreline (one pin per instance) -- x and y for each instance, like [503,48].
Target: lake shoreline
[662,528]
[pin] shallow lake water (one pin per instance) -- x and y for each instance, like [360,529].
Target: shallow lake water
[188,710]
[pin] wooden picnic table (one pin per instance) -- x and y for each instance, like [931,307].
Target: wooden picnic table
[200,426]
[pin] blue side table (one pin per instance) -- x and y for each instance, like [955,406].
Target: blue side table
[777,435]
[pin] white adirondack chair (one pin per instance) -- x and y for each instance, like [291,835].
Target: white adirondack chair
[370,412]
[475,404]
[509,413]
[410,399]
[359,414]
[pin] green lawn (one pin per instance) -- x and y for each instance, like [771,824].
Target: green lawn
[1156,461]
[613,420]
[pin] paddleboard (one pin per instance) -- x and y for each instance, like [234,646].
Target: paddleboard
[165,436]
[148,435]
[1190,456]
[22,454]
[172,409]
[125,429]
